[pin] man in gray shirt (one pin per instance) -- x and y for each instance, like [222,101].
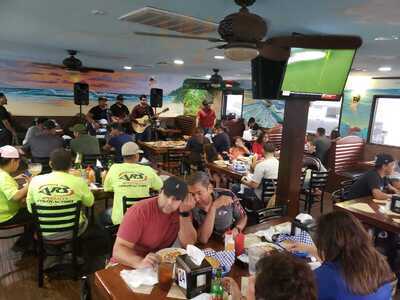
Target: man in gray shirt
[322,145]
[84,143]
[216,210]
[42,145]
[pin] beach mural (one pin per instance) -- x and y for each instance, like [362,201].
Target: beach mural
[38,90]
[357,106]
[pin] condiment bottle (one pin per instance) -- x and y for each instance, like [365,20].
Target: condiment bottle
[229,241]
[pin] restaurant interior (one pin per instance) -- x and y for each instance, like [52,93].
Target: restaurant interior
[231,149]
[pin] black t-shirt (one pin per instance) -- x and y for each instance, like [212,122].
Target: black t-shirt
[4,115]
[222,142]
[119,111]
[99,113]
[365,184]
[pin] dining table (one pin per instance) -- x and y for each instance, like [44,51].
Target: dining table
[227,170]
[109,285]
[368,211]
[157,152]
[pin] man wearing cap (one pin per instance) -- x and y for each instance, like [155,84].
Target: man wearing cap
[34,130]
[42,145]
[129,179]
[60,188]
[374,182]
[118,138]
[119,111]
[98,112]
[206,117]
[152,225]
[83,142]
[139,111]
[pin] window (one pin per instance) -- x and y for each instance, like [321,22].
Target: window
[234,105]
[384,128]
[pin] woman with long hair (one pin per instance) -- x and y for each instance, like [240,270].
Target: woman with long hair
[238,148]
[352,269]
[258,145]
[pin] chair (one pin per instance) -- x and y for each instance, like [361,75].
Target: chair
[128,202]
[44,161]
[48,220]
[318,180]
[266,214]
[268,189]
[89,159]
[174,161]
[341,194]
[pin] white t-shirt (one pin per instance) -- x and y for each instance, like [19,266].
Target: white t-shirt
[267,169]
[247,135]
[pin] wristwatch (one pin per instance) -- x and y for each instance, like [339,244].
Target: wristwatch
[184,214]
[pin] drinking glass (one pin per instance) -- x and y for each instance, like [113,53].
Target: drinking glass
[165,275]
[254,253]
[35,168]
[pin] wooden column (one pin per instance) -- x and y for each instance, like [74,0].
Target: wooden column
[291,156]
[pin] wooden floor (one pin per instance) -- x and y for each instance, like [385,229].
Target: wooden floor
[18,279]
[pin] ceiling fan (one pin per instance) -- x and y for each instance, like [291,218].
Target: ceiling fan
[244,36]
[72,63]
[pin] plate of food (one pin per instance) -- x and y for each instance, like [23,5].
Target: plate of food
[215,264]
[170,254]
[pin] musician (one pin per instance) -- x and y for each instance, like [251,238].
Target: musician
[139,111]
[98,113]
[119,110]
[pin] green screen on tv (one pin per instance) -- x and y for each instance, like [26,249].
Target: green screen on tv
[317,72]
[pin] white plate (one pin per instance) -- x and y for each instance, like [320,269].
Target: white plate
[166,251]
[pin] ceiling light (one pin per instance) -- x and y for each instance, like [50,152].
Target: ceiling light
[219,57]
[127,67]
[241,52]
[386,38]
[178,62]
[385,69]
[98,12]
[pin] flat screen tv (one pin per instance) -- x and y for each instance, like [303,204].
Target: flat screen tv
[316,74]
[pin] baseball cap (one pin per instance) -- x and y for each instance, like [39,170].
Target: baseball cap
[102,98]
[80,128]
[175,187]
[9,152]
[130,148]
[49,124]
[120,97]
[383,159]
[205,102]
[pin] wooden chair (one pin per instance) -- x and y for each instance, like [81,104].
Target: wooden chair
[318,181]
[267,214]
[341,194]
[174,161]
[276,139]
[47,219]
[268,189]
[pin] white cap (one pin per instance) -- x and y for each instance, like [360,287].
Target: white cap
[9,152]
[130,148]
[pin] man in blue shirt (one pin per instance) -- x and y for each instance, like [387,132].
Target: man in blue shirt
[117,140]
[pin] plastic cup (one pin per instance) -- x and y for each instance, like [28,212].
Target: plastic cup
[165,275]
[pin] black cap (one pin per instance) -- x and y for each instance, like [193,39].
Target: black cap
[383,159]
[205,103]
[49,124]
[175,187]
[120,97]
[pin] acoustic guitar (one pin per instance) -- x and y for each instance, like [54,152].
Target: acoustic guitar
[142,123]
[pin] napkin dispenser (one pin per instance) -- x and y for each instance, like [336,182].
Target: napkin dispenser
[192,279]
[395,204]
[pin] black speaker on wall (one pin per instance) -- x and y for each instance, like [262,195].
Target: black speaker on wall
[156,97]
[266,76]
[81,93]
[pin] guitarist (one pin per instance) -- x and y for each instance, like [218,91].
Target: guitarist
[97,113]
[140,110]
[120,114]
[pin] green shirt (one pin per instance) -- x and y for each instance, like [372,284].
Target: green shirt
[85,144]
[8,188]
[130,180]
[59,188]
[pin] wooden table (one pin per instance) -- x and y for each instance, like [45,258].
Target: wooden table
[157,152]
[376,219]
[233,175]
[110,286]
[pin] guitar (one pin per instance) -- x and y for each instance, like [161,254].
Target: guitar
[142,123]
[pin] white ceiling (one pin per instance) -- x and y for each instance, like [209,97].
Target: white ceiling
[40,31]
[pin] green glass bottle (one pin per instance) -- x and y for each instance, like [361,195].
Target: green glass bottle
[217,290]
